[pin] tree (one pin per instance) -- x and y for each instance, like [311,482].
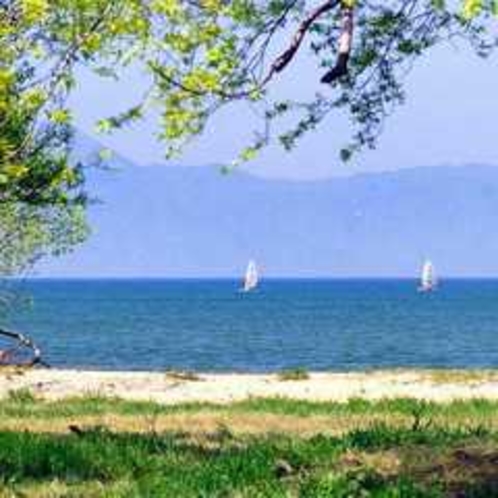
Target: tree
[213,52]
[203,55]
[41,194]
[28,233]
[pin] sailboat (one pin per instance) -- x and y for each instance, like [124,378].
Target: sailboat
[251,277]
[428,281]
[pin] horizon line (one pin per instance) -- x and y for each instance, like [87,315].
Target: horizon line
[238,277]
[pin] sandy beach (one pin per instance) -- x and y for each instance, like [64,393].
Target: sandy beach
[177,387]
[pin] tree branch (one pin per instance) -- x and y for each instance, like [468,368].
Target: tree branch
[279,64]
[345,44]
[285,58]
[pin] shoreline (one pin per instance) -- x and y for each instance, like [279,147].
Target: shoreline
[178,387]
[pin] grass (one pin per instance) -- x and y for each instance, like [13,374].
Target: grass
[183,375]
[461,376]
[294,374]
[97,447]
[21,396]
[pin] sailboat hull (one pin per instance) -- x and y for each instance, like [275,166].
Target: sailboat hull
[247,291]
[426,290]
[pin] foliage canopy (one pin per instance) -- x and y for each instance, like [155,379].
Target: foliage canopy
[202,55]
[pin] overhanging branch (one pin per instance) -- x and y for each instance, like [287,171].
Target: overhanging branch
[278,65]
[344,50]
[286,57]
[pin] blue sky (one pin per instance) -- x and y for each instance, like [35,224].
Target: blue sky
[449,118]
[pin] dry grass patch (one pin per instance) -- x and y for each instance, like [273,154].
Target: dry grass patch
[9,372]
[208,422]
[477,466]
[183,376]
[459,469]
[195,423]
[465,471]
[294,374]
[471,377]
[387,463]
[60,489]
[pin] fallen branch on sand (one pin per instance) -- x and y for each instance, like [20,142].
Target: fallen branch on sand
[19,350]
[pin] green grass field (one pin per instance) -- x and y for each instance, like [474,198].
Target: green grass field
[96,447]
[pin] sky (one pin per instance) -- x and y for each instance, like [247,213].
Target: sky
[449,119]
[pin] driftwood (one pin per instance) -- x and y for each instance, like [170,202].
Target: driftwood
[20,351]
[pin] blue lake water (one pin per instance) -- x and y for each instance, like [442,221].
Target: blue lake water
[209,326]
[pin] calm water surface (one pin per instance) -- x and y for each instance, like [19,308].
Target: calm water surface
[209,326]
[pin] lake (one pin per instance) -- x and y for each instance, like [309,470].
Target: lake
[208,325]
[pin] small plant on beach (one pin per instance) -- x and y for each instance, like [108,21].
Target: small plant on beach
[183,375]
[10,371]
[294,374]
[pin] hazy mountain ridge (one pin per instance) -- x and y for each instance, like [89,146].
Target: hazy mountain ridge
[193,221]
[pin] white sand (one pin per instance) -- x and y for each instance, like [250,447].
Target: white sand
[224,388]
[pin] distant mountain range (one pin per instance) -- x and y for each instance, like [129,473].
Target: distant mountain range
[195,222]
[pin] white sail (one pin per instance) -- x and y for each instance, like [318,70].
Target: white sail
[251,277]
[428,279]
